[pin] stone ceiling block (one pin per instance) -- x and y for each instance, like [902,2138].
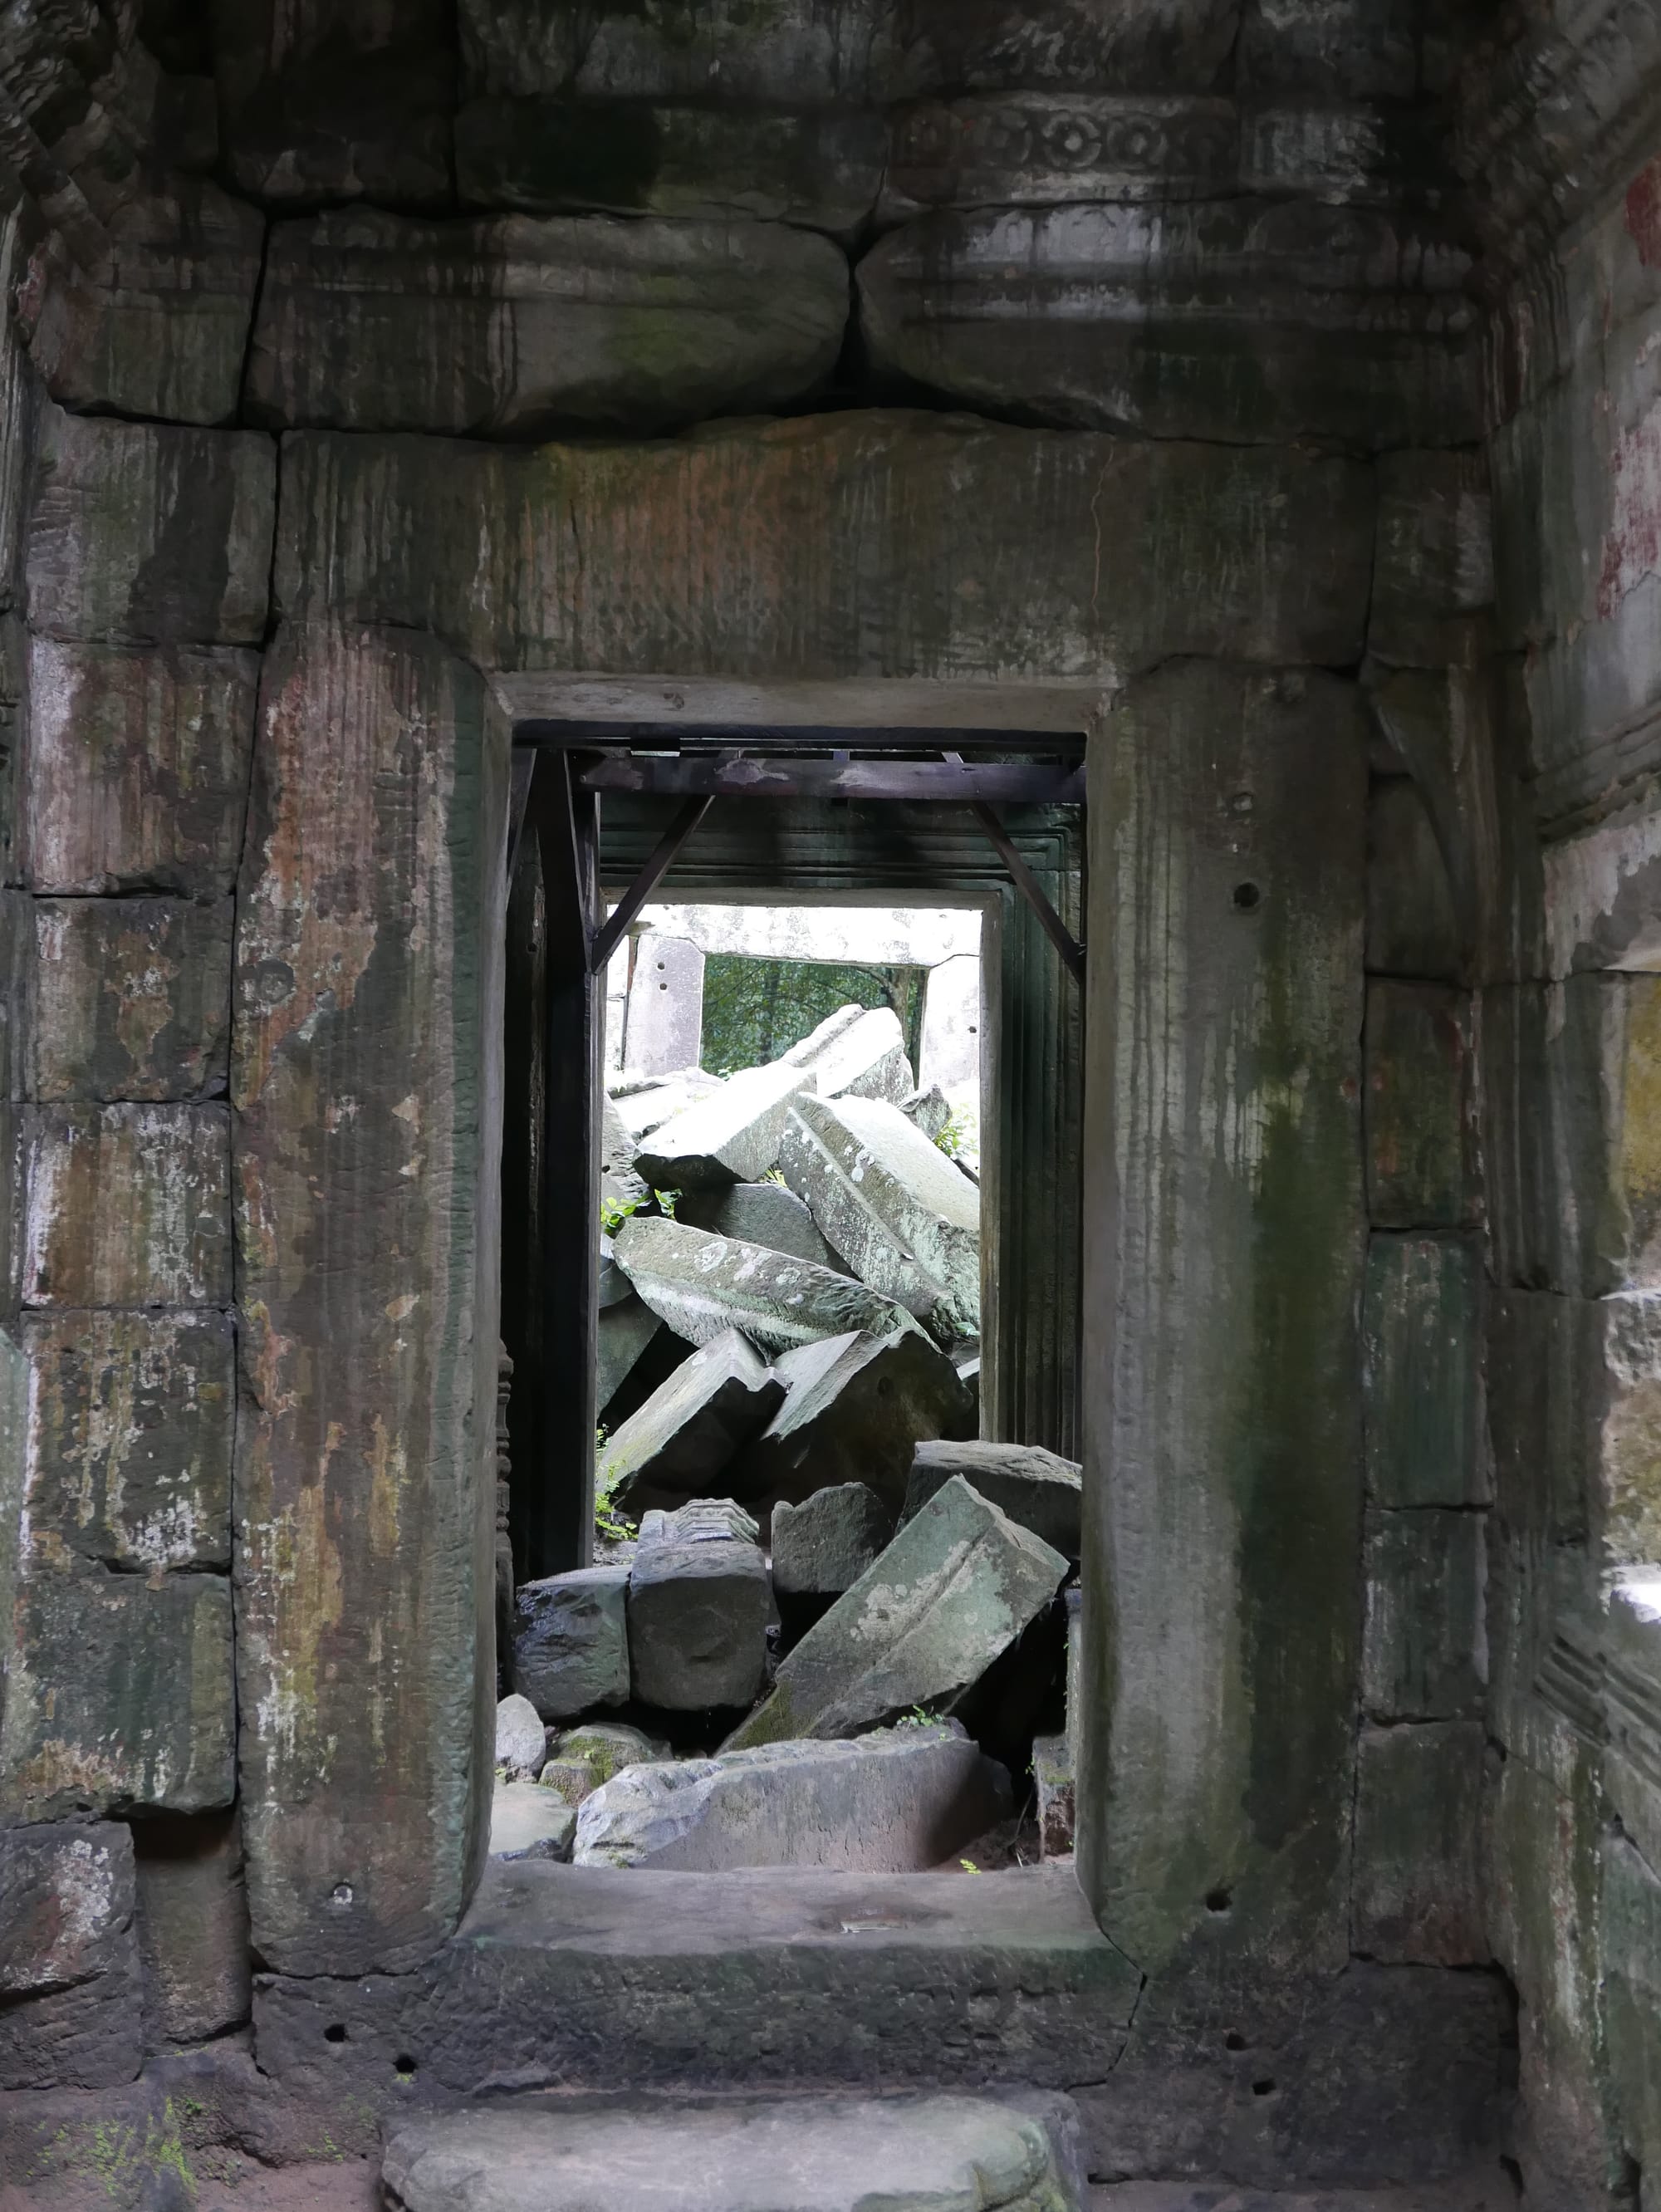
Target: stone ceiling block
[1235,319]
[140,534]
[369,321]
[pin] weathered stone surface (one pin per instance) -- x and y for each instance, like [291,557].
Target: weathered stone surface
[69,1962]
[1424,1654]
[327,102]
[162,330]
[732,1136]
[1222,1482]
[127,1205]
[1055,1785]
[530,1822]
[141,535]
[1435,562]
[863,1057]
[137,767]
[931,1110]
[643,1104]
[132,999]
[903,1217]
[586,1758]
[1421,1107]
[1038,1488]
[926,2152]
[369,321]
[365,1042]
[698,1604]
[131,1421]
[819,168]
[952,1021]
[954,1591]
[521,1739]
[896,1801]
[703,1286]
[193,1926]
[613,1286]
[1412,928]
[682,1440]
[1422,1338]
[1184,321]
[624,1331]
[821,1546]
[665,1018]
[728,554]
[571,1641]
[1418,1895]
[792,1974]
[119,1696]
[855,1407]
[764,1214]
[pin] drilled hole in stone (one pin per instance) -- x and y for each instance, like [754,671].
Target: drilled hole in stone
[1263,2088]
[1217,1900]
[335,2033]
[1246,895]
[404,2067]
[1234,2040]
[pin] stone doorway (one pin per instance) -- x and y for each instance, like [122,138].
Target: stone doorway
[816,854]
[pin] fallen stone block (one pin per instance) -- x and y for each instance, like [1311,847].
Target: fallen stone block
[764,1214]
[571,1641]
[930,1109]
[1038,1488]
[530,1822]
[732,1136]
[704,1285]
[952,1592]
[586,1758]
[855,1407]
[895,1801]
[822,1547]
[521,1739]
[614,1286]
[698,1607]
[1053,1784]
[858,1052]
[624,1331]
[682,1438]
[923,2152]
[906,1219]
[642,1103]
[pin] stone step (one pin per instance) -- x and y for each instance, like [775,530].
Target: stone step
[907,2153]
[768,1979]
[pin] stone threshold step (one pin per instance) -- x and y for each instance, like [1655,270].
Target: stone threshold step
[597,1978]
[908,2154]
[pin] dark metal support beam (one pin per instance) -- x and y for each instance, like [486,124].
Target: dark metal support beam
[663,857]
[1022,783]
[681,738]
[1032,890]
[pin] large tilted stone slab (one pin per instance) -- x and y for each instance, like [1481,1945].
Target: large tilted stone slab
[763,1213]
[895,1801]
[1038,1488]
[624,1331]
[926,2152]
[822,1547]
[855,1407]
[905,1220]
[698,1604]
[643,1104]
[953,1591]
[370,321]
[703,1285]
[732,1136]
[530,1822]
[571,1641]
[858,1052]
[682,1439]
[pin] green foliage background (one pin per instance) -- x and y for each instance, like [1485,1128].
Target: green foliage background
[754,1010]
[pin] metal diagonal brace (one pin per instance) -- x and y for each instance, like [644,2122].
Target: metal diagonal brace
[1032,890]
[605,937]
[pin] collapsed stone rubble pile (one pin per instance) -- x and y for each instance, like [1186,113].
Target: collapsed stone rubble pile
[819,1588]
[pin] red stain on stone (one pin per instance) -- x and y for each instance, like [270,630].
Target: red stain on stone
[1644,214]
[1632,544]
